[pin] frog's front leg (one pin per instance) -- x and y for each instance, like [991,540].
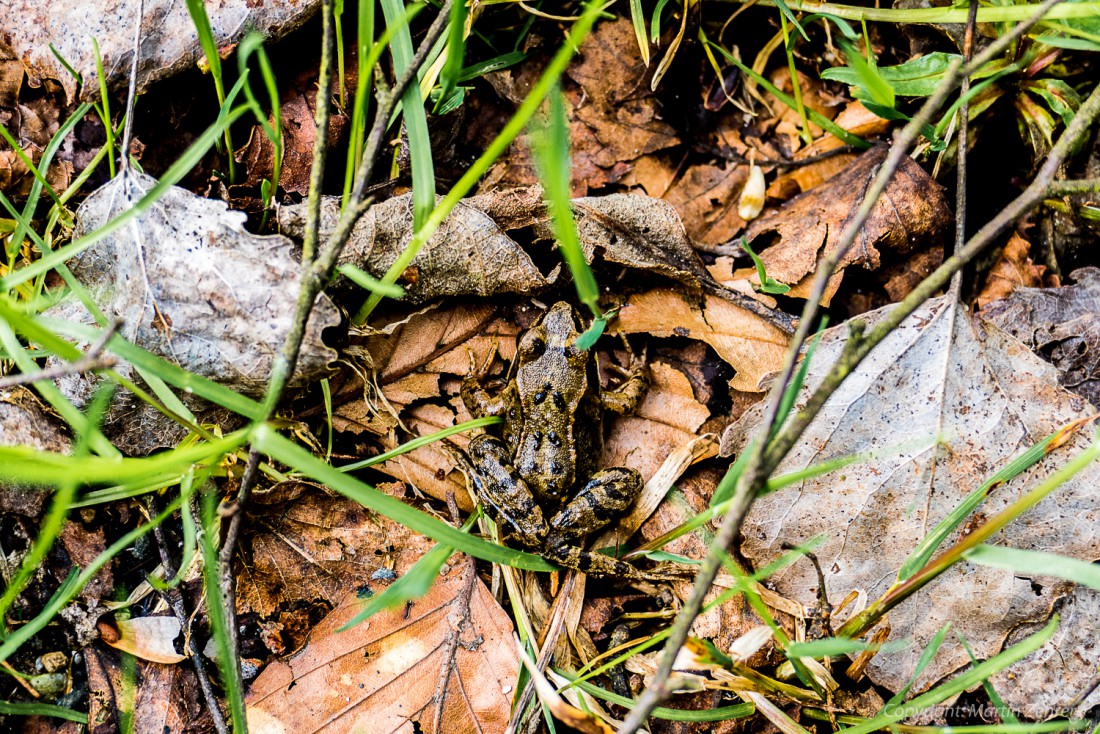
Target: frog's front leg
[505,496]
[625,398]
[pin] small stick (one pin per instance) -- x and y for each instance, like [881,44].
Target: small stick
[91,361]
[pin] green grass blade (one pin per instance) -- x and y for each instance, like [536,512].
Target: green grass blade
[197,10]
[923,662]
[217,613]
[512,129]
[1036,563]
[721,713]
[550,146]
[960,683]
[416,120]
[265,439]
[637,17]
[924,551]
[456,51]
[419,441]
[415,583]
[42,709]
[368,282]
[47,389]
[815,117]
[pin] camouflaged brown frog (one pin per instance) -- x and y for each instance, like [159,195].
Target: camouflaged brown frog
[544,463]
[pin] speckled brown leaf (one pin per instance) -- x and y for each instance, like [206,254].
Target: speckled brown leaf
[305,544]
[169,42]
[192,285]
[751,345]
[1013,269]
[911,216]
[445,664]
[1062,325]
[986,398]
[472,254]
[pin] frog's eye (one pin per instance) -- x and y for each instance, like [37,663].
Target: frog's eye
[532,345]
[575,355]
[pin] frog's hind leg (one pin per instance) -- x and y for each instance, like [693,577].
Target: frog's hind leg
[592,563]
[505,496]
[601,500]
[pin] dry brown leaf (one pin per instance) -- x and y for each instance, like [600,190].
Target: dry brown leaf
[751,345]
[165,697]
[667,418]
[83,545]
[1061,325]
[1013,269]
[305,544]
[148,638]
[705,197]
[443,664]
[986,398]
[429,468]
[911,215]
[297,109]
[613,116]
[168,40]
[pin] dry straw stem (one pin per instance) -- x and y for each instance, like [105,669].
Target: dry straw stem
[765,456]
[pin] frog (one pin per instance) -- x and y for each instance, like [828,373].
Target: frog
[539,478]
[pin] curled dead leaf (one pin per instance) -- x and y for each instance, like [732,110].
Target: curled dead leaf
[911,216]
[148,638]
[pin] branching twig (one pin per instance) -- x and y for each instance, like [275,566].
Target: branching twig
[765,457]
[92,360]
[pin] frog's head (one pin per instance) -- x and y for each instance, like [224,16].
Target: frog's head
[555,333]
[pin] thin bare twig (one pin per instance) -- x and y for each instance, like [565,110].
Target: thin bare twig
[764,457]
[961,144]
[92,360]
[1073,187]
[175,602]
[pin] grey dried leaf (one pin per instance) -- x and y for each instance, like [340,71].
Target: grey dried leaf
[944,403]
[191,284]
[471,254]
[169,42]
[1062,325]
[468,255]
